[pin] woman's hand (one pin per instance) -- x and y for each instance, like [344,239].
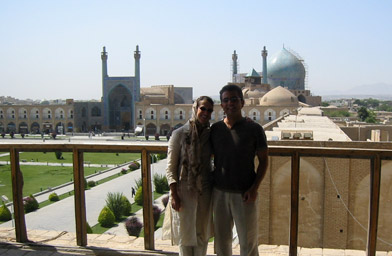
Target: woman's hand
[175,201]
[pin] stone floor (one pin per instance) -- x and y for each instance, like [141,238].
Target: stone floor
[54,243]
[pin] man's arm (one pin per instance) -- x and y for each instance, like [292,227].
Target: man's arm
[251,194]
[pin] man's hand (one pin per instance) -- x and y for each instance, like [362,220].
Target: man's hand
[250,195]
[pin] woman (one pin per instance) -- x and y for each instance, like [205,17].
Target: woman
[189,217]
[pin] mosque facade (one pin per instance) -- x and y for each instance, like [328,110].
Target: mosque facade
[126,107]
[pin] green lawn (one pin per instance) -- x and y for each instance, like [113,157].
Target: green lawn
[37,178]
[96,158]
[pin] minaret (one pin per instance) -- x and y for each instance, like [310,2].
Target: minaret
[104,58]
[264,53]
[137,74]
[234,57]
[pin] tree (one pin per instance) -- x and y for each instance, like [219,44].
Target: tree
[363,113]
[371,118]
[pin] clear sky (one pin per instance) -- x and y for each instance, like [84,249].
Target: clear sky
[51,49]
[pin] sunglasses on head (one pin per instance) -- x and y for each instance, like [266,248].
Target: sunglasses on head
[209,110]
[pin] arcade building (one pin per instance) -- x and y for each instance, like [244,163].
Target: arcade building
[126,107]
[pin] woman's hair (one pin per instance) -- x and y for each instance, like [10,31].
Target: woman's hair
[201,98]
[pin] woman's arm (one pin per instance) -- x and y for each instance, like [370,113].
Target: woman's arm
[173,157]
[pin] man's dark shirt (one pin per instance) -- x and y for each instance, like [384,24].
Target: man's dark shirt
[234,151]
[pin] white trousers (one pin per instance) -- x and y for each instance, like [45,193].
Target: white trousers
[228,209]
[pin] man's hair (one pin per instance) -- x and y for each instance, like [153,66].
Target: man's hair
[231,88]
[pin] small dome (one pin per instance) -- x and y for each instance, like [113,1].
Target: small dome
[278,97]
[256,93]
[285,69]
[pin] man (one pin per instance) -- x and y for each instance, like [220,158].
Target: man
[235,142]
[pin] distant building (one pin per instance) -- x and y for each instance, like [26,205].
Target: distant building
[124,105]
[285,69]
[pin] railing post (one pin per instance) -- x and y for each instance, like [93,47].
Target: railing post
[148,218]
[295,160]
[80,198]
[17,197]
[374,204]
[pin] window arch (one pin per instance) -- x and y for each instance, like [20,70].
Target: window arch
[59,113]
[165,114]
[34,114]
[11,113]
[284,112]
[140,113]
[95,111]
[150,114]
[254,114]
[269,115]
[22,113]
[47,113]
[179,114]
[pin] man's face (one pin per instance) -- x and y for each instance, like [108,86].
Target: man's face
[232,103]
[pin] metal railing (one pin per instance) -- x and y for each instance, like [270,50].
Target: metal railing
[376,154]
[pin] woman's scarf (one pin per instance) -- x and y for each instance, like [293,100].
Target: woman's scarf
[191,152]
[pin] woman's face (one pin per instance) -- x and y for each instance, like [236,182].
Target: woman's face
[204,111]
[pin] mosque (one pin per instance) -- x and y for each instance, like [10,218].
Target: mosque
[278,90]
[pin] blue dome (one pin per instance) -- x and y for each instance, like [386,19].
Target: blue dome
[286,70]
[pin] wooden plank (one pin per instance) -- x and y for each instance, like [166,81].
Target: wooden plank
[295,162]
[80,200]
[374,204]
[17,194]
[148,218]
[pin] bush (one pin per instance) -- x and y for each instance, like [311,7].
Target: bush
[133,226]
[161,156]
[138,183]
[115,203]
[156,212]
[89,229]
[153,158]
[106,217]
[123,171]
[165,200]
[59,155]
[30,204]
[133,166]
[91,183]
[54,197]
[160,183]
[127,207]
[5,213]
[139,196]
[137,164]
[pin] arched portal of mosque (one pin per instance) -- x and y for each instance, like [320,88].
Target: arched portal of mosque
[120,109]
